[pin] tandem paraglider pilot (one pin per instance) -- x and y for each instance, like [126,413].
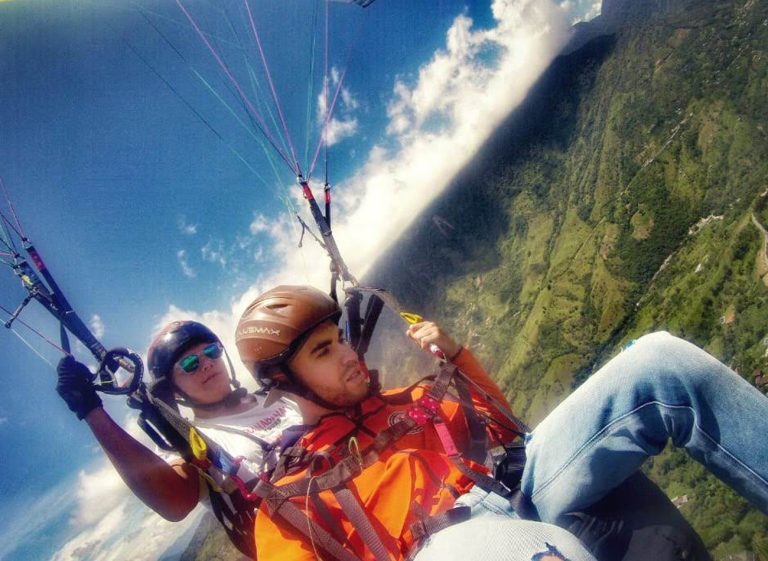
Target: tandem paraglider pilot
[186,361]
[401,474]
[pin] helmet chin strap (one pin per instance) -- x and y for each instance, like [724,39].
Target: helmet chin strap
[232,399]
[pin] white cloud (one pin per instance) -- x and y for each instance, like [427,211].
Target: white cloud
[213,252]
[347,99]
[582,10]
[339,129]
[97,326]
[98,493]
[105,519]
[185,227]
[188,271]
[112,535]
[259,224]
[593,10]
[342,123]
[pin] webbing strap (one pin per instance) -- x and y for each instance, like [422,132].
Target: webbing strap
[332,522]
[362,523]
[292,514]
[216,453]
[520,427]
[350,466]
[478,437]
[481,480]
[433,524]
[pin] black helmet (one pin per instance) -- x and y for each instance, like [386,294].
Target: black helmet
[168,346]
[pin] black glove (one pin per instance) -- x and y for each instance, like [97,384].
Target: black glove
[75,387]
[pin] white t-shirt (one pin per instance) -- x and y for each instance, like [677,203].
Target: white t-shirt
[251,434]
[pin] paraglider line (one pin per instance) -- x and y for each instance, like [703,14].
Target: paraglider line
[176,92]
[20,231]
[189,105]
[310,83]
[329,110]
[31,348]
[272,86]
[33,330]
[262,125]
[160,33]
[7,240]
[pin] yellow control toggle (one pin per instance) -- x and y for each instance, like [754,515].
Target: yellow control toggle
[199,447]
[411,318]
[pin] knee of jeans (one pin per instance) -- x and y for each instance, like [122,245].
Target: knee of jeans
[663,358]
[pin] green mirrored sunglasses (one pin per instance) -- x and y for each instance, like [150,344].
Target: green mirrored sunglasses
[191,362]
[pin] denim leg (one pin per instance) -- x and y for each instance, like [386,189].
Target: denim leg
[658,389]
[494,533]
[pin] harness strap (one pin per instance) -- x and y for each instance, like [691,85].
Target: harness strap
[523,506]
[478,437]
[433,524]
[372,313]
[332,522]
[350,466]
[289,512]
[518,425]
[483,481]
[351,507]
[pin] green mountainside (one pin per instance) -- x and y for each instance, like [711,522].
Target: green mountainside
[626,195]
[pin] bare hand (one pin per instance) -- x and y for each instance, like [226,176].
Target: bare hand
[426,333]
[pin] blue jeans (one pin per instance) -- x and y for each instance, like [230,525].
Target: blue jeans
[660,388]
[495,533]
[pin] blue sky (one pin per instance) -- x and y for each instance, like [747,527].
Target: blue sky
[144,214]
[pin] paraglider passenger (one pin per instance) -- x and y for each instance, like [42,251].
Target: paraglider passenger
[187,367]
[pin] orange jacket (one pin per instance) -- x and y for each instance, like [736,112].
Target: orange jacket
[411,480]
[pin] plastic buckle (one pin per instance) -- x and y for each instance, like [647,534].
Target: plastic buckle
[423,410]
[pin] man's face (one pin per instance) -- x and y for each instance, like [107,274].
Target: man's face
[328,366]
[208,382]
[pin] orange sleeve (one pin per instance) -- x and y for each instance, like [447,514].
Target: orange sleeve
[469,365]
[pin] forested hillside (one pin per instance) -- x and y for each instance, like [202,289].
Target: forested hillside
[626,195]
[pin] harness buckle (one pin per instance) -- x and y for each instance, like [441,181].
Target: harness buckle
[424,410]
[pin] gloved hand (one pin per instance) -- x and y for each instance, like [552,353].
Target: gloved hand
[75,387]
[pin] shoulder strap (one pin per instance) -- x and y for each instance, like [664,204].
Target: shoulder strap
[315,533]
